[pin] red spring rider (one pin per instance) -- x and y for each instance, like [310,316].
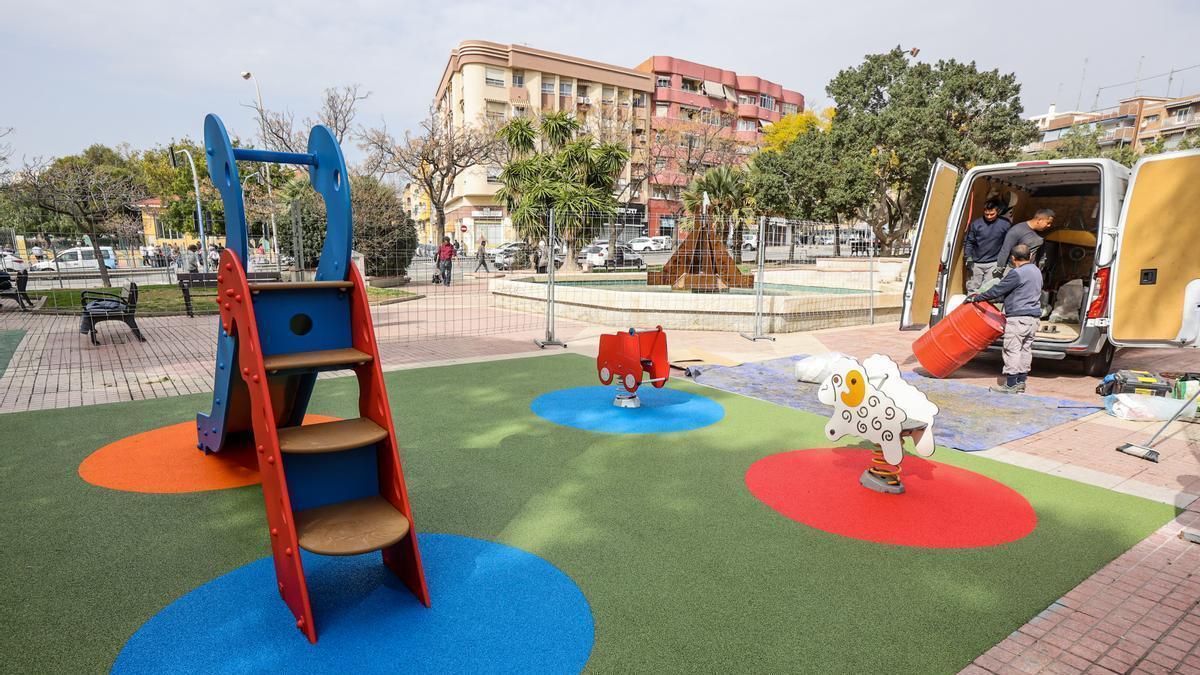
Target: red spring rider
[628,354]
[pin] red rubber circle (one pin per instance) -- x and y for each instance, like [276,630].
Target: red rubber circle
[943,506]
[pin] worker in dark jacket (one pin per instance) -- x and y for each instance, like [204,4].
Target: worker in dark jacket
[984,237]
[1021,292]
[1028,233]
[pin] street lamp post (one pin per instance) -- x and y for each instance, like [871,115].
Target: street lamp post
[262,130]
[199,212]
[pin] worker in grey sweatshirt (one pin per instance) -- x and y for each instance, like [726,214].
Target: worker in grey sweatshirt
[985,235]
[1028,233]
[1021,292]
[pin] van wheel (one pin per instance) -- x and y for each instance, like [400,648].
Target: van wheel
[1098,364]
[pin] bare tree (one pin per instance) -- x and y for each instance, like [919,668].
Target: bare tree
[338,110]
[433,158]
[5,149]
[96,197]
[682,150]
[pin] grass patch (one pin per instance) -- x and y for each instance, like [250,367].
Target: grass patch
[9,339]
[168,299]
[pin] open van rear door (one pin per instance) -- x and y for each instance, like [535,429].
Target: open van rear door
[1156,270]
[927,246]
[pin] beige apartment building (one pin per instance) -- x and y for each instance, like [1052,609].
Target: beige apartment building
[486,83]
[1136,121]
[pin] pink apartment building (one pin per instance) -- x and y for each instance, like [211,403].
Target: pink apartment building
[703,116]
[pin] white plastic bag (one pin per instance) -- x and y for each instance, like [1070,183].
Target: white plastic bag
[1067,302]
[1145,408]
[816,369]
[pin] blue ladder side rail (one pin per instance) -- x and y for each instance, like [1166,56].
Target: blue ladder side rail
[327,173]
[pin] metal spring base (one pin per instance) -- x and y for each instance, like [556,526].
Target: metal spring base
[882,477]
[626,399]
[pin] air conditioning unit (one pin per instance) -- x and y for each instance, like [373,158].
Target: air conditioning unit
[585,100]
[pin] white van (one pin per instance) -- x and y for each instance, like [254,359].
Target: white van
[79,258]
[1131,240]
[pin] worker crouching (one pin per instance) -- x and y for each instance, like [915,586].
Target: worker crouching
[1021,292]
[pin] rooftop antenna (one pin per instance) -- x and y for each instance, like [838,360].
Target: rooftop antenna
[1137,80]
[1082,77]
[1170,80]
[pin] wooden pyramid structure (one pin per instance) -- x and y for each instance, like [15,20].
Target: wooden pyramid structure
[702,263]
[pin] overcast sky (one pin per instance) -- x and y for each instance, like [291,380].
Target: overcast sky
[143,72]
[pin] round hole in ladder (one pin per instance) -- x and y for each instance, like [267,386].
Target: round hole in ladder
[301,324]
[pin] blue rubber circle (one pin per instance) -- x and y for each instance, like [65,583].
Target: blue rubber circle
[495,608]
[663,410]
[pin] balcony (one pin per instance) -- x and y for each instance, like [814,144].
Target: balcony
[1176,121]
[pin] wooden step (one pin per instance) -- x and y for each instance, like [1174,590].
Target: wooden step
[330,436]
[351,528]
[298,285]
[323,359]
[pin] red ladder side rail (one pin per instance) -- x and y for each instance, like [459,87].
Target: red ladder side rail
[403,557]
[237,314]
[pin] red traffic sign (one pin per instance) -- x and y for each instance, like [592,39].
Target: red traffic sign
[463,228]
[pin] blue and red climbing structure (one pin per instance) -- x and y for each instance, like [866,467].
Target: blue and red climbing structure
[334,488]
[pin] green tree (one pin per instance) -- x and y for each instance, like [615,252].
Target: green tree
[896,116]
[383,232]
[553,166]
[94,191]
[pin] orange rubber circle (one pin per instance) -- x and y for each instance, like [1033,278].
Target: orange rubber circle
[166,461]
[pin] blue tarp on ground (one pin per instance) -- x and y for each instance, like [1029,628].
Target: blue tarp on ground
[972,418]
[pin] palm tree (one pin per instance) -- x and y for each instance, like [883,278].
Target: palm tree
[555,167]
[730,201]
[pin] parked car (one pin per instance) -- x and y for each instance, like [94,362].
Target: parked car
[11,262]
[663,243]
[625,257]
[749,242]
[78,258]
[582,256]
[506,247]
[643,244]
[506,259]
[1119,243]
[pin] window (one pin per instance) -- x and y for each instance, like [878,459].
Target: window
[767,102]
[583,89]
[547,84]
[1149,119]
[690,85]
[496,110]
[665,192]
[494,77]
[518,78]
[662,109]
[493,174]
[89,254]
[660,164]
[749,99]
[639,100]
[69,256]
[790,108]
[710,117]
[519,111]
[564,88]
[664,81]
[746,125]
[690,114]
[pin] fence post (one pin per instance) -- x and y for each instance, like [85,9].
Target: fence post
[871,273]
[759,280]
[552,252]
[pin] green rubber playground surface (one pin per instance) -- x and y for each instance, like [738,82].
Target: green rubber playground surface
[684,569]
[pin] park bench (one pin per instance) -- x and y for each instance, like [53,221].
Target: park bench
[17,292]
[109,306]
[191,282]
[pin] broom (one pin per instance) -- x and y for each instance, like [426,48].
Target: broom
[1145,451]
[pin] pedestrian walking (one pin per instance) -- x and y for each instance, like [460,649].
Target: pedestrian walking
[445,258]
[481,256]
[191,261]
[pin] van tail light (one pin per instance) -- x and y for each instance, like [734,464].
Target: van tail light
[1100,304]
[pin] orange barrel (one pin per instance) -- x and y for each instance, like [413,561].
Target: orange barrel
[956,339]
